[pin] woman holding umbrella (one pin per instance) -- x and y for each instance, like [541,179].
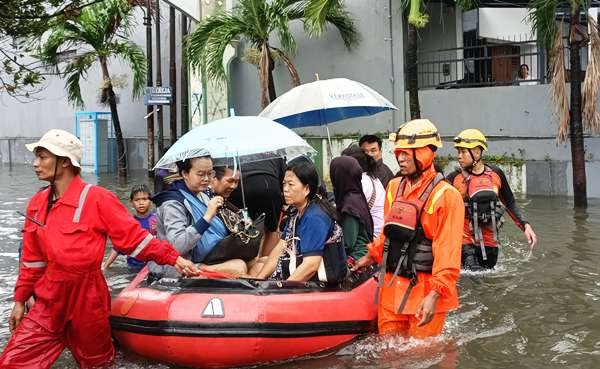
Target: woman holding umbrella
[186,217]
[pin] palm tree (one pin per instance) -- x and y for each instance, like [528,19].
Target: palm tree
[580,114]
[417,18]
[255,21]
[99,34]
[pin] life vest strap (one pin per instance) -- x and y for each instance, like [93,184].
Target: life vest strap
[411,284]
[386,248]
[494,228]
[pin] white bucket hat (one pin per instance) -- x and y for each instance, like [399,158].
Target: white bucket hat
[60,143]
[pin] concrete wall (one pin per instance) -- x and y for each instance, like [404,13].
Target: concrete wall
[518,120]
[444,31]
[370,63]
[50,109]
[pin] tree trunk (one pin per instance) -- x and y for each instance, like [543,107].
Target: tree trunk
[272,94]
[263,71]
[112,102]
[290,66]
[149,108]
[412,70]
[172,77]
[159,112]
[576,126]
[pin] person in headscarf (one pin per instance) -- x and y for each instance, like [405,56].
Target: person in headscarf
[351,205]
[371,185]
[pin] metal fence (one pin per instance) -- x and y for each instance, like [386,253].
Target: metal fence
[482,63]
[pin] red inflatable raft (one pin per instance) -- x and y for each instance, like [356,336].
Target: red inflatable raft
[215,323]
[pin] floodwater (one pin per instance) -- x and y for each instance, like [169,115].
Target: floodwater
[538,311]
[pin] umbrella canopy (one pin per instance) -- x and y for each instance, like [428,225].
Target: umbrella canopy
[245,138]
[325,101]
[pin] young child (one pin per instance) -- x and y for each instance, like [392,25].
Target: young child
[141,203]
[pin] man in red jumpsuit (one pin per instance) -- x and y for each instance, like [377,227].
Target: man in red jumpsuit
[64,240]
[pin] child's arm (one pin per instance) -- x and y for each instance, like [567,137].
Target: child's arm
[109,260]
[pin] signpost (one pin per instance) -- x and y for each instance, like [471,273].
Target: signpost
[157,95]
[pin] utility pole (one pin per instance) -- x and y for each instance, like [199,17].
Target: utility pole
[159,117]
[185,114]
[150,108]
[172,77]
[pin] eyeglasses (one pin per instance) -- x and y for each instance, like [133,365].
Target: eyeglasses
[206,175]
[458,139]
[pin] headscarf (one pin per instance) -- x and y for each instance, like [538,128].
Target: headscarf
[346,176]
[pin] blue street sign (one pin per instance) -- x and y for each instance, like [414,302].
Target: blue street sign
[157,95]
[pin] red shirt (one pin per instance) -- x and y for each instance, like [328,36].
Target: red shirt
[72,239]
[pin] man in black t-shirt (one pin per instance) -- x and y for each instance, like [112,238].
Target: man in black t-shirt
[261,181]
[371,145]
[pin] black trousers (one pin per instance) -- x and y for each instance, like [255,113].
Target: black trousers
[472,258]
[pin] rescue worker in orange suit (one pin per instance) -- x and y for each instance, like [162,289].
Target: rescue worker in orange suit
[64,240]
[419,248]
[484,188]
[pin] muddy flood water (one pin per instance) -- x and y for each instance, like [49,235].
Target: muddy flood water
[533,311]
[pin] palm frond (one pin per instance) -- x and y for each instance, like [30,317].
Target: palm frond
[290,66]
[559,86]
[255,13]
[316,12]
[542,15]
[344,23]
[286,38]
[92,25]
[589,93]
[135,57]
[206,45]
[60,38]
[76,69]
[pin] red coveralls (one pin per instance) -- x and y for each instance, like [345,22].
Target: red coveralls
[60,265]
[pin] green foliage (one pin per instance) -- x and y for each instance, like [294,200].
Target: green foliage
[542,15]
[504,159]
[467,4]
[448,161]
[21,76]
[98,33]
[415,16]
[20,18]
[252,56]
[255,21]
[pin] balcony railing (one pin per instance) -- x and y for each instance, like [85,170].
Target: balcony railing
[482,63]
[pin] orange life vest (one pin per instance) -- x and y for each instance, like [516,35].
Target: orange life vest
[406,250]
[482,206]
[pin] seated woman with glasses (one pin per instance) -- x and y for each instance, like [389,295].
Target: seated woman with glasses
[186,215]
[311,247]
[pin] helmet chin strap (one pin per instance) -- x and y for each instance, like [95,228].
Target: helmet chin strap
[52,187]
[419,170]
[473,164]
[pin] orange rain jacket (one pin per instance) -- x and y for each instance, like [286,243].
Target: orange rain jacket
[442,219]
